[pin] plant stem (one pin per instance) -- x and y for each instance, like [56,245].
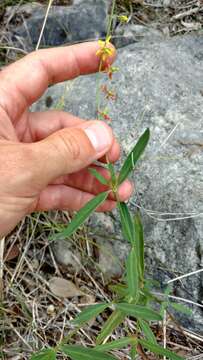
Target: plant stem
[111,18]
[98,98]
[101,62]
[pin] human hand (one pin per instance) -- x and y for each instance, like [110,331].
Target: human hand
[44,156]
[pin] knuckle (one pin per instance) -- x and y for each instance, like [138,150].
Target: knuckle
[71,145]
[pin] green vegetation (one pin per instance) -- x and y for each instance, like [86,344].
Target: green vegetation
[136,300]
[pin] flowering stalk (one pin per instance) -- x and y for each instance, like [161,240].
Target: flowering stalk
[133,295]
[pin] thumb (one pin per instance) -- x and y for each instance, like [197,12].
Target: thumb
[70,150]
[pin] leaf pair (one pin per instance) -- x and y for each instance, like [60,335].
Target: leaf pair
[114,320]
[133,232]
[82,353]
[76,352]
[99,353]
[129,163]
[112,183]
[92,205]
[149,345]
[117,317]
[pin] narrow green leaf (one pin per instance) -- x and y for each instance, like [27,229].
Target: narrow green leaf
[147,331]
[117,344]
[81,216]
[139,237]
[160,350]
[45,354]
[132,275]
[133,157]
[82,353]
[89,313]
[133,352]
[120,289]
[181,308]
[139,312]
[98,176]
[126,223]
[113,174]
[114,320]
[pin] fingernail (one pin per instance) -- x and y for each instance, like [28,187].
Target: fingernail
[100,136]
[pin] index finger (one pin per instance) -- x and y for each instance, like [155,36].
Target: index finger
[23,82]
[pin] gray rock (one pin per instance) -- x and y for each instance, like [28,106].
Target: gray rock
[67,255]
[128,34]
[159,86]
[84,20]
[102,224]
[112,254]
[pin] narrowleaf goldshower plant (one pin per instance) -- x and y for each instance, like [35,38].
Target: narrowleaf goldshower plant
[133,297]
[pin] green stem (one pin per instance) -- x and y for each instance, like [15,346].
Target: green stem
[111,18]
[100,64]
[98,98]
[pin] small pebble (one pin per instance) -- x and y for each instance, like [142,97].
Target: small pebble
[51,310]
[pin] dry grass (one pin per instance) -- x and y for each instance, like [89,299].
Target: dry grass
[33,317]
[172,17]
[30,315]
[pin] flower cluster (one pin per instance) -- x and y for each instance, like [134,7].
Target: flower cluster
[109,94]
[105,52]
[103,114]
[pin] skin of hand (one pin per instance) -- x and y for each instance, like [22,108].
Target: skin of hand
[44,156]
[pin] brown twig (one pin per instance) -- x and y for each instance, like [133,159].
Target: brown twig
[186,13]
[142,353]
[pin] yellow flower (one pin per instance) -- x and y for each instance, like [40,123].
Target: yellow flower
[104,52]
[123,18]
